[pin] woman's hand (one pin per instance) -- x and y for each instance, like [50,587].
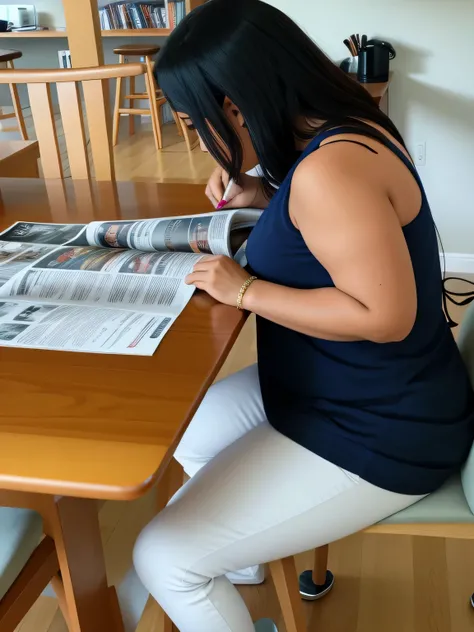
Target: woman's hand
[248,193]
[220,277]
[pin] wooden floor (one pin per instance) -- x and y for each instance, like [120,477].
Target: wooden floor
[383,583]
[137,159]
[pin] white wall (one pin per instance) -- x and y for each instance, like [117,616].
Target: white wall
[50,12]
[432,95]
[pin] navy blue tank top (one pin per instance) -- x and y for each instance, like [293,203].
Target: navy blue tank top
[400,415]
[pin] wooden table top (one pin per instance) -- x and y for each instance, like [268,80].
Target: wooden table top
[104,426]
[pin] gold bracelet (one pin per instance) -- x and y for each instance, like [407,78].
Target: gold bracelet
[243,289]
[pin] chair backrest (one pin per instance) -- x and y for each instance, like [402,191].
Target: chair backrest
[95,95]
[466,345]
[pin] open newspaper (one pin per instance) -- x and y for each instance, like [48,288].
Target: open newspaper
[107,287]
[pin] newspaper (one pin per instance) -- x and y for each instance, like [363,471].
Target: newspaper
[107,287]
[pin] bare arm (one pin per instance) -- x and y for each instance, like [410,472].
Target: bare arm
[348,223]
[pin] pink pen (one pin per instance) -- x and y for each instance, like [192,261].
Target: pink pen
[224,200]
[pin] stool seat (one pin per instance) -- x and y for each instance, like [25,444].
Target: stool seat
[140,50]
[8,55]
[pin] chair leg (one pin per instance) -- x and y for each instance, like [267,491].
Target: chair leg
[57,584]
[118,103]
[131,118]
[151,90]
[185,132]
[177,121]
[320,565]
[318,582]
[286,585]
[17,106]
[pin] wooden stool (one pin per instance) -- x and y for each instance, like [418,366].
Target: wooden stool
[153,93]
[8,56]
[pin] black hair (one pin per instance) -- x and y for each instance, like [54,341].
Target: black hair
[275,74]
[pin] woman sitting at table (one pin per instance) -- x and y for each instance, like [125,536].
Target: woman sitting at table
[360,404]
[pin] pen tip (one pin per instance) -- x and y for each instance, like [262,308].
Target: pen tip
[221,205]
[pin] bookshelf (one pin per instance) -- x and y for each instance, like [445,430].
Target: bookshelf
[56,33]
[83,31]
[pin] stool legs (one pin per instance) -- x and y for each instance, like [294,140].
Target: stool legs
[155,116]
[131,118]
[17,106]
[118,100]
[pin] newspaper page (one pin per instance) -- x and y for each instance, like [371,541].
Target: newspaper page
[108,278]
[63,288]
[200,234]
[81,298]
[78,328]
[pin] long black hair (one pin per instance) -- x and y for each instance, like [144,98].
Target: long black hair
[274,73]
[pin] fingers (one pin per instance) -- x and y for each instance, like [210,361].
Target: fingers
[216,185]
[234,192]
[196,277]
[203,269]
[209,194]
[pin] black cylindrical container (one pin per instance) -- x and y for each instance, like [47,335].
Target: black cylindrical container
[374,62]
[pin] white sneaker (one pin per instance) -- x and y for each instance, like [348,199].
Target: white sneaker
[265,625]
[248,576]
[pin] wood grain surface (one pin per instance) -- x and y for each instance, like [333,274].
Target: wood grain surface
[104,426]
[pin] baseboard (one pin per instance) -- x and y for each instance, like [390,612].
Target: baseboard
[458,263]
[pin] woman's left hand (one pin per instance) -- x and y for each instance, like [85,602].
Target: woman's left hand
[220,277]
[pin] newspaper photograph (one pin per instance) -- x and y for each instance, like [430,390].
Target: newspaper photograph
[15,256]
[111,286]
[52,234]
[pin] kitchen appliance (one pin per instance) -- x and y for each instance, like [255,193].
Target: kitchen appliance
[22,17]
[374,61]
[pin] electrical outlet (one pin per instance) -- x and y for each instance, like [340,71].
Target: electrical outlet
[420,154]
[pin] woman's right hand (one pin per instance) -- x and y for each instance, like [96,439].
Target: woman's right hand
[248,193]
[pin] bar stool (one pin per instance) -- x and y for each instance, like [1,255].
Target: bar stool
[7,56]
[153,94]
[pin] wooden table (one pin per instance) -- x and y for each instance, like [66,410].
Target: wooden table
[76,427]
[19,159]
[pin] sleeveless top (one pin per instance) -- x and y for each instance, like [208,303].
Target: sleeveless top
[400,415]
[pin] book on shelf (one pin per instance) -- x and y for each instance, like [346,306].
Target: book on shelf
[108,286]
[142,15]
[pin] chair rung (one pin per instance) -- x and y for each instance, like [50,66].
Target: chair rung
[143,95]
[7,116]
[136,96]
[133,111]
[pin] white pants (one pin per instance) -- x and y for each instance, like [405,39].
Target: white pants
[254,496]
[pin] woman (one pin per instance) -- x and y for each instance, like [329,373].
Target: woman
[360,404]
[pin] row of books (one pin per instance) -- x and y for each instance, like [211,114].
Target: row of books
[142,15]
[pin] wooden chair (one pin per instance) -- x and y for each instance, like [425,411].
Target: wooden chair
[447,513]
[153,95]
[7,56]
[28,562]
[95,96]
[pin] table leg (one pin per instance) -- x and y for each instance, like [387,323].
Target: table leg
[92,606]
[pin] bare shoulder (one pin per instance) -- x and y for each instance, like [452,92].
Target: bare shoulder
[335,169]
